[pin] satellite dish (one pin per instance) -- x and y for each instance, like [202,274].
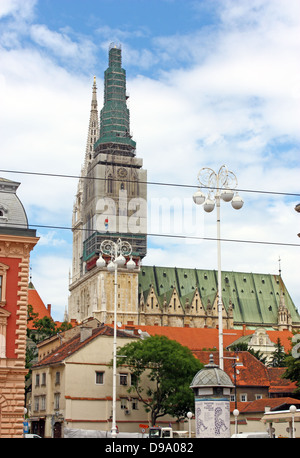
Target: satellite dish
[140,331]
[119,324]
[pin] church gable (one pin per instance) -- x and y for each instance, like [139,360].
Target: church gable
[152,304]
[196,306]
[175,306]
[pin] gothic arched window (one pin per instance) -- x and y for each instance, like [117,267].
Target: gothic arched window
[109,184]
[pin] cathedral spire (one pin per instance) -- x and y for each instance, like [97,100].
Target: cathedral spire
[93,132]
[115,135]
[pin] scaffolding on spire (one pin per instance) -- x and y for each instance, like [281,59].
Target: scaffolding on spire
[115,137]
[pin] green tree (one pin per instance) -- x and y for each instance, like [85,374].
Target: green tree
[278,356]
[292,363]
[243,346]
[169,369]
[42,328]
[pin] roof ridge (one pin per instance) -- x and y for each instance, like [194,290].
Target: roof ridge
[75,344]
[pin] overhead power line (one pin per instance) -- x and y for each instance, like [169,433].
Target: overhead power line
[178,236]
[154,183]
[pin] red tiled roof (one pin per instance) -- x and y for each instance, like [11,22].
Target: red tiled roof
[208,338]
[260,404]
[37,304]
[250,371]
[278,384]
[74,344]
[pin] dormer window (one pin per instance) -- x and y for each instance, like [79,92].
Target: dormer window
[3,213]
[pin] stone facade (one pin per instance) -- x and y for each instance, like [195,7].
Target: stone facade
[172,313]
[93,296]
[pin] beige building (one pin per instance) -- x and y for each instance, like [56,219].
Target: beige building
[72,386]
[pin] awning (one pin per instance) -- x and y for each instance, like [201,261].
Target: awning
[280,416]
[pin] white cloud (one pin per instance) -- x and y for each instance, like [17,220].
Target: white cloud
[61,44]
[21,9]
[43,126]
[51,239]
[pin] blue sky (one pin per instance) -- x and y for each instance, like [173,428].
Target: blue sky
[210,82]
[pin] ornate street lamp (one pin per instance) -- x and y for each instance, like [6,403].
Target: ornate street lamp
[116,252]
[221,185]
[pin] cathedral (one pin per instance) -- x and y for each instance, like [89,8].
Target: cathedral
[110,209]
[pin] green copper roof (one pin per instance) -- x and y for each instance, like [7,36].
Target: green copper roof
[254,297]
[114,116]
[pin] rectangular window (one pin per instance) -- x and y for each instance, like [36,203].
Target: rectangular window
[135,404]
[123,403]
[43,379]
[243,397]
[99,378]
[134,379]
[43,402]
[36,404]
[56,401]
[123,379]
[57,378]
[37,380]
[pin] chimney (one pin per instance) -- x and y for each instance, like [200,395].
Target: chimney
[49,308]
[85,333]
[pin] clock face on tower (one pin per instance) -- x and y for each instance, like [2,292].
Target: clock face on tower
[122,172]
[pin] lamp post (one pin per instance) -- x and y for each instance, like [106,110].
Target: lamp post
[236,358]
[236,414]
[220,186]
[117,252]
[293,409]
[189,415]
